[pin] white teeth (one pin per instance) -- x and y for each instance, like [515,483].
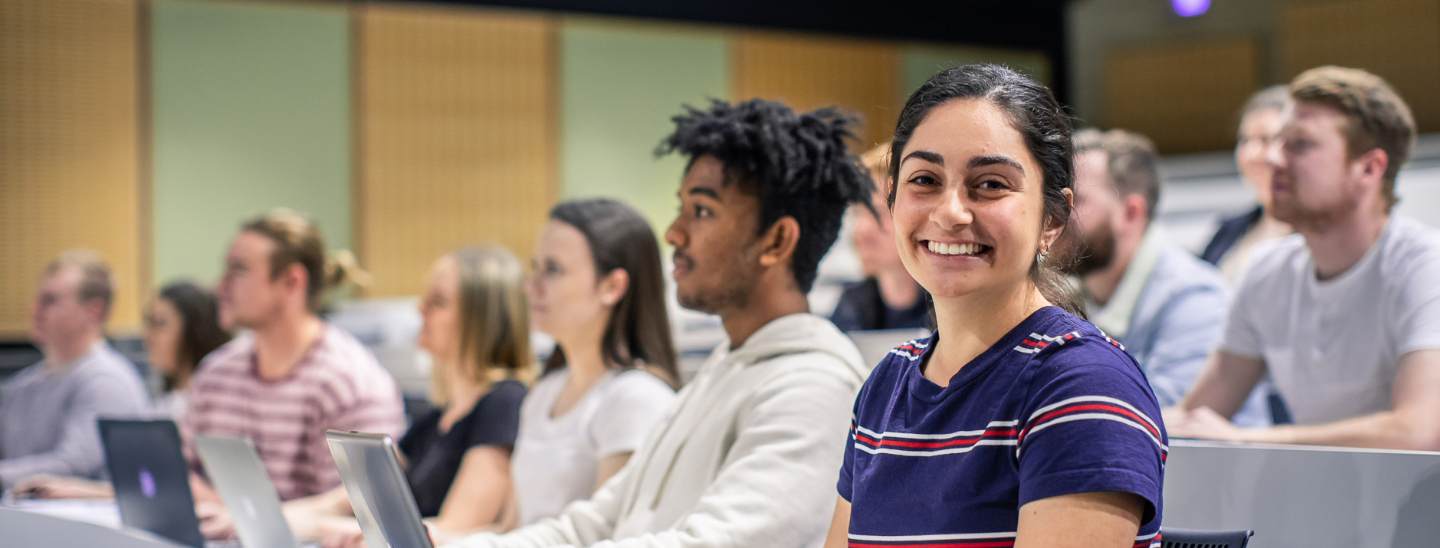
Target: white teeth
[954,249]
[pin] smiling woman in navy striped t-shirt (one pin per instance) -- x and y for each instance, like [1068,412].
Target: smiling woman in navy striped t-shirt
[1017,423]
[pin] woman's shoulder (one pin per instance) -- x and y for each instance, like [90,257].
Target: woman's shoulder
[1069,342]
[638,382]
[1072,358]
[507,390]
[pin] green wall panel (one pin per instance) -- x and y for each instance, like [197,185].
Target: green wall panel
[251,110]
[919,63]
[620,85]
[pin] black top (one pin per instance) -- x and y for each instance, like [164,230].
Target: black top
[1230,232]
[435,457]
[861,308]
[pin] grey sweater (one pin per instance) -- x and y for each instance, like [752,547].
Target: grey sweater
[47,416]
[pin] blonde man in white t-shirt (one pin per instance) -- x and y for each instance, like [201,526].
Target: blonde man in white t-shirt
[1345,315]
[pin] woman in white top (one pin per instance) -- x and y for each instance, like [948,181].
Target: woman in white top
[597,288]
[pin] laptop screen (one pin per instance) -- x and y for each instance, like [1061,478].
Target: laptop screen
[151,481]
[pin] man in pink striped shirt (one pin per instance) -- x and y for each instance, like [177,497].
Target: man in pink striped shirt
[291,377]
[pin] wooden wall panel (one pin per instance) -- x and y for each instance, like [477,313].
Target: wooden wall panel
[809,72]
[69,156]
[455,120]
[1185,97]
[1397,39]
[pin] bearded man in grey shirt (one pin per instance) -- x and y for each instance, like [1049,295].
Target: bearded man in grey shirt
[48,411]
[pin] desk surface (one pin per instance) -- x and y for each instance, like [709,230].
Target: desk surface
[1296,496]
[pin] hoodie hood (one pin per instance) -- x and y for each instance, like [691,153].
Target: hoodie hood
[797,334]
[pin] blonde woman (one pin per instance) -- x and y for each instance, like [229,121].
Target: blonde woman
[475,326]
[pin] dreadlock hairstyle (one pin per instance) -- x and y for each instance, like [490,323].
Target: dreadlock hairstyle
[797,164]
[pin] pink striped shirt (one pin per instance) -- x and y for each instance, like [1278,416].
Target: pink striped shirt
[337,385]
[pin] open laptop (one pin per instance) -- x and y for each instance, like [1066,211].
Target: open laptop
[378,490]
[150,478]
[238,475]
[1298,495]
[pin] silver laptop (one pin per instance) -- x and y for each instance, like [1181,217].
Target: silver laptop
[1295,495]
[378,489]
[245,487]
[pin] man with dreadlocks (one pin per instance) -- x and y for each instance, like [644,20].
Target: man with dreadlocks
[748,452]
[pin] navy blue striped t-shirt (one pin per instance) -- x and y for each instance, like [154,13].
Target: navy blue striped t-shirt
[1055,407]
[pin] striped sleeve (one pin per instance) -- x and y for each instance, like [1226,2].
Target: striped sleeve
[1092,425]
[845,486]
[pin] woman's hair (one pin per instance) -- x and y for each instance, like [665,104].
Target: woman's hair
[1270,98]
[877,160]
[200,331]
[297,240]
[1040,120]
[638,329]
[494,321]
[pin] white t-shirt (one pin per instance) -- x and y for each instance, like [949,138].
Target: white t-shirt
[556,460]
[1332,348]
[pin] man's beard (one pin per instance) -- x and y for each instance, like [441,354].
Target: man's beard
[732,294]
[1084,254]
[1305,216]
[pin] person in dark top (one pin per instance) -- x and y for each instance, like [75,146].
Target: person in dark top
[435,455]
[1017,423]
[888,298]
[476,328]
[1259,124]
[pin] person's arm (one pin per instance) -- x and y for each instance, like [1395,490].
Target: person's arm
[478,494]
[773,489]
[1413,421]
[609,466]
[77,452]
[1091,454]
[839,535]
[1081,520]
[54,487]
[1222,386]
[320,516]
[634,401]
[1184,334]
[582,523]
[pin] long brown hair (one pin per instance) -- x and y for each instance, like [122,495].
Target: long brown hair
[494,320]
[298,241]
[638,330]
[200,330]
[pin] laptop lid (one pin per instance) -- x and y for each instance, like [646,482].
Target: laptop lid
[238,475]
[1298,495]
[150,478]
[378,490]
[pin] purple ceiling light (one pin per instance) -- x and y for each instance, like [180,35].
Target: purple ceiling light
[1189,8]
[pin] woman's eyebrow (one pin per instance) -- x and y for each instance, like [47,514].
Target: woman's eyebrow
[981,161]
[925,155]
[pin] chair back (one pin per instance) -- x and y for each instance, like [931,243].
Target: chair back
[1194,538]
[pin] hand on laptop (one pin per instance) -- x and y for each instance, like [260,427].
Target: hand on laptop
[53,487]
[215,522]
[353,539]
[1202,423]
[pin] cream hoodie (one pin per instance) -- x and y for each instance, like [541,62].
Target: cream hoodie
[747,456]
